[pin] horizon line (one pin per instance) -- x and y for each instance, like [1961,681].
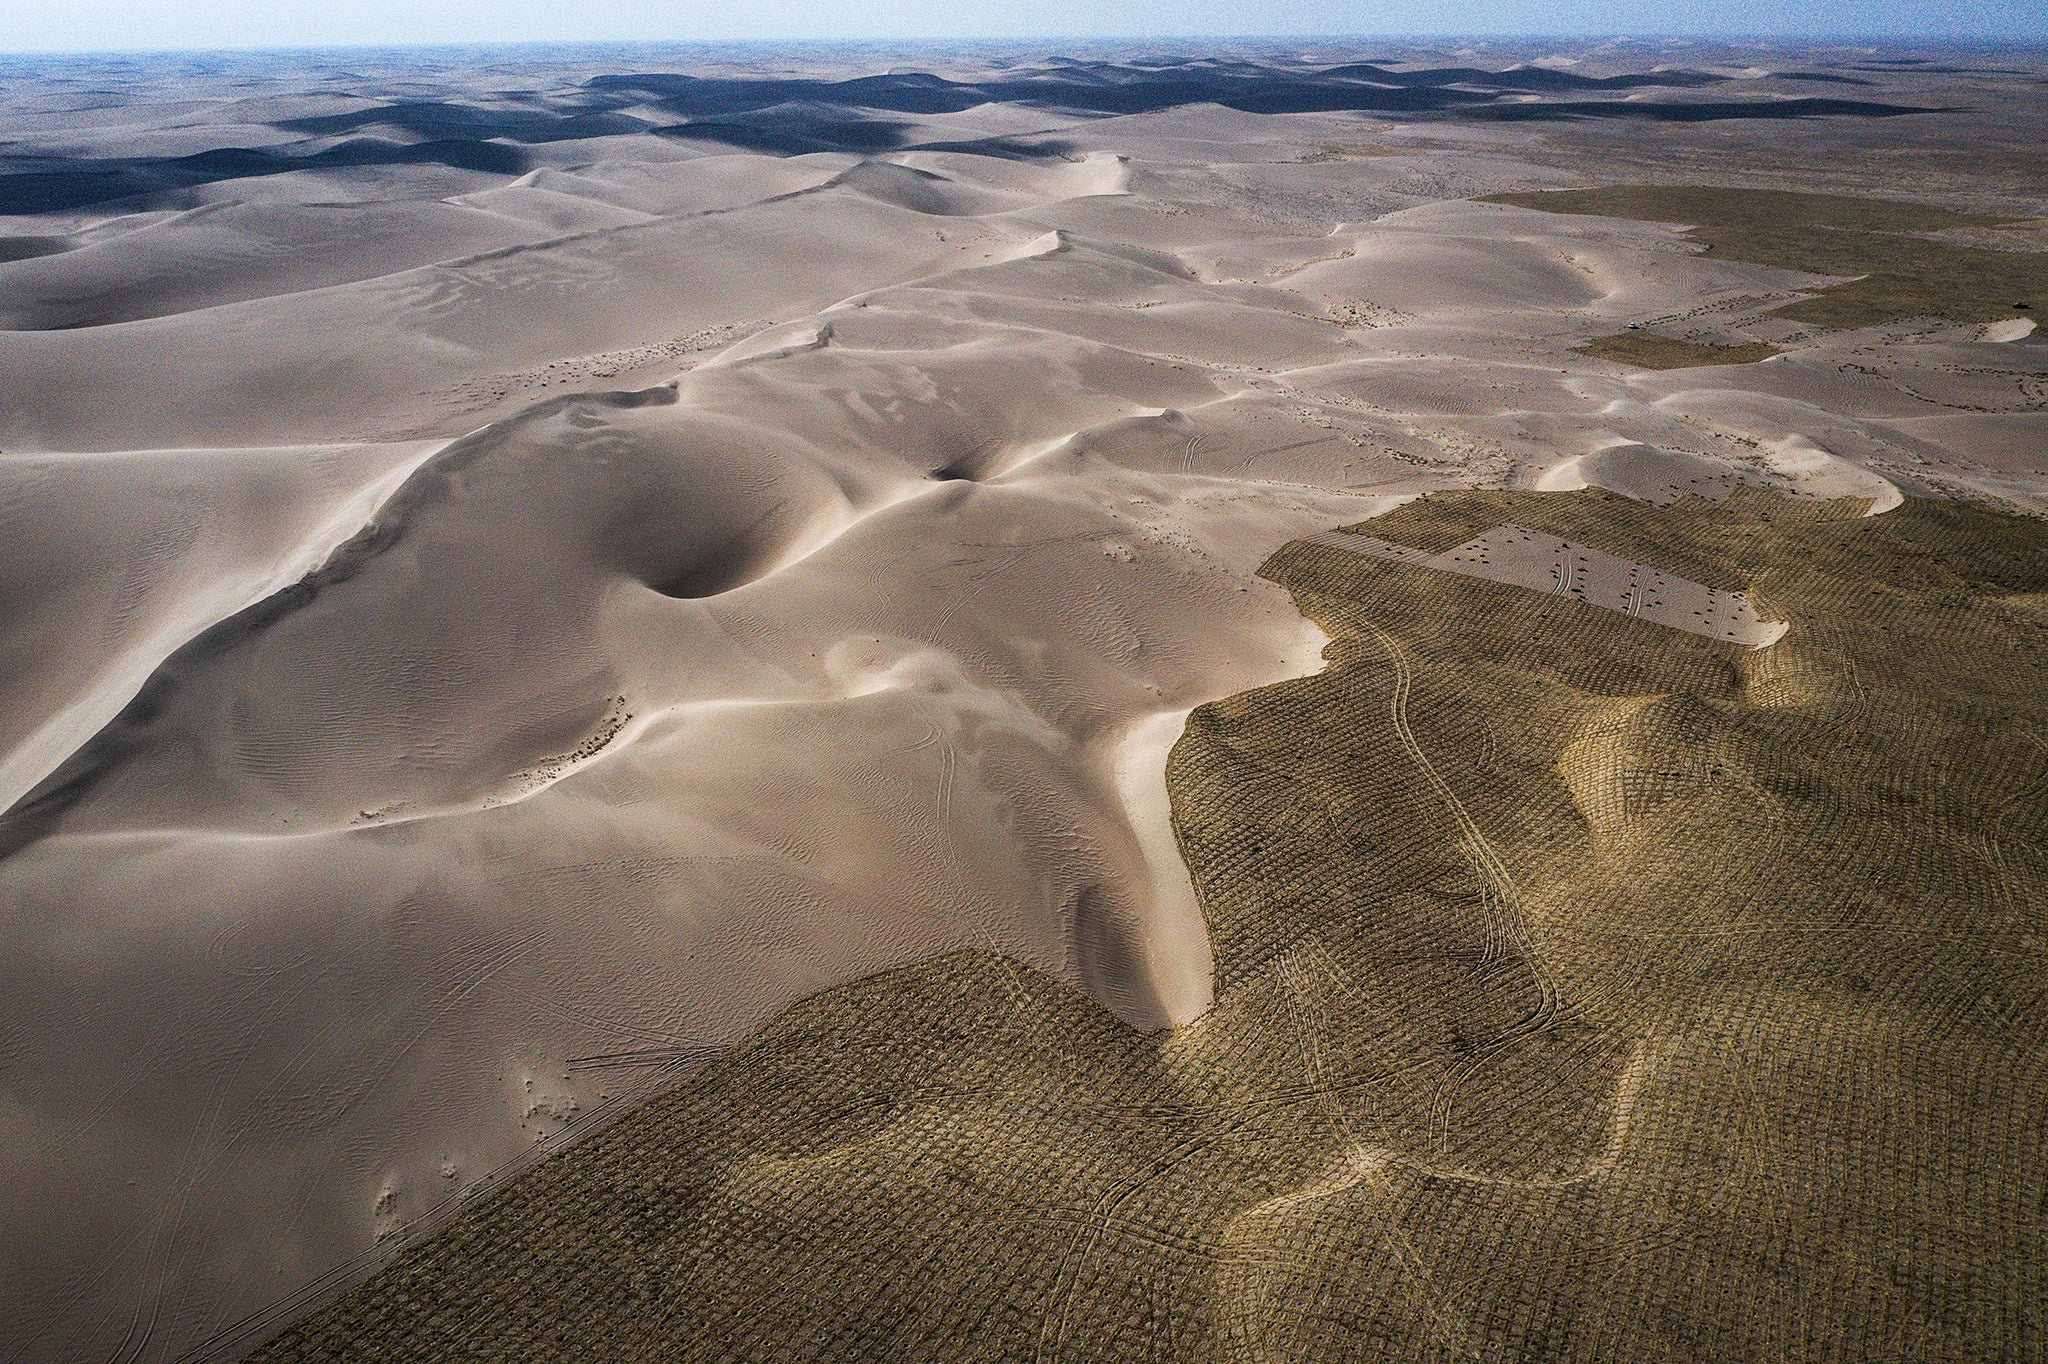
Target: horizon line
[1841,39]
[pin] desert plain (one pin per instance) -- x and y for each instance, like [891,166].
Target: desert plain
[1281,702]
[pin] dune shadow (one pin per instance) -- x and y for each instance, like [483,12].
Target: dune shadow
[800,116]
[56,184]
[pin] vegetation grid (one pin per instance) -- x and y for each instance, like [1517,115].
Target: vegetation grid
[1650,350]
[1586,990]
[1892,256]
[1894,260]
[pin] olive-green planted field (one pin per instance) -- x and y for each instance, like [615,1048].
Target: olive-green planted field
[1649,350]
[1896,267]
[1587,990]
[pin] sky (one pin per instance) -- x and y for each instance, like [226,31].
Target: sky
[104,25]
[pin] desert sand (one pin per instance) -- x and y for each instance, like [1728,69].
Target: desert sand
[519,569]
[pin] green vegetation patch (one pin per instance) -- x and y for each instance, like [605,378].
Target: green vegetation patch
[1653,351]
[1648,350]
[1586,991]
[1900,274]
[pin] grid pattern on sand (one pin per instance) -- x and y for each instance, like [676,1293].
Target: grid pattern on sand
[1522,558]
[1587,990]
[1652,351]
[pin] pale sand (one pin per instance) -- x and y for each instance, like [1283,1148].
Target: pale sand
[774,569]
[202,533]
[1520,557]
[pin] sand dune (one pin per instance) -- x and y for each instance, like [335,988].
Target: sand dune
[1649,474]
[486,631]
[196,535]
[227,253]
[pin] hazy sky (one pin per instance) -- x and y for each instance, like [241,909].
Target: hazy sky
[84,25]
